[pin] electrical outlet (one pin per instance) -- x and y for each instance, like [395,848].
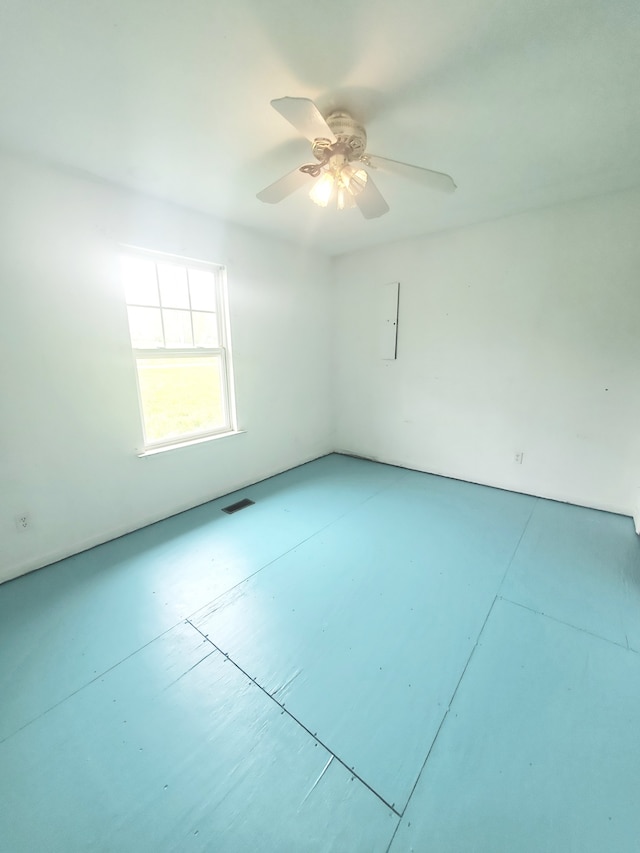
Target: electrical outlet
[519,457]
[23,522]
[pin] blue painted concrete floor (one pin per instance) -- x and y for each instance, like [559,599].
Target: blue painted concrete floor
[367,659]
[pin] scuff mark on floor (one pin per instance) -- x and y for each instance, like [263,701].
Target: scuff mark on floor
[287,683]
[315,784]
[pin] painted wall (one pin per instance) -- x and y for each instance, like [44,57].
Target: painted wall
[69,420]
[518,335]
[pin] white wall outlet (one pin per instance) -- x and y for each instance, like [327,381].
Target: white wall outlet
[519,457]
[23,522]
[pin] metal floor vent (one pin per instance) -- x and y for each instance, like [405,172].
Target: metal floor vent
[245,502]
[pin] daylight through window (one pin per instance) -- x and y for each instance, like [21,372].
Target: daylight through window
[179,327]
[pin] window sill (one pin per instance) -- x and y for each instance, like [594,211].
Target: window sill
[153,451]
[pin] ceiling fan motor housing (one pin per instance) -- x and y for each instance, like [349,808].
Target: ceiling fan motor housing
[351,137]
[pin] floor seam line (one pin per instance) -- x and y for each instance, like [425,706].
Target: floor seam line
[298,722]
[88,683]
[187,671]
[625,647]
[515,550]
[288,551]
[442,722]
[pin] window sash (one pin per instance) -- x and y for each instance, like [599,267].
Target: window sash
[225,390]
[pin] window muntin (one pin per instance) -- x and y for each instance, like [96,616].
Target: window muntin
[179,334]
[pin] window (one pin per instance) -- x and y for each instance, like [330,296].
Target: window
[179,325]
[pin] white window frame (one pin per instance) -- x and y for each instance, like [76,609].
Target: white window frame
[223,350]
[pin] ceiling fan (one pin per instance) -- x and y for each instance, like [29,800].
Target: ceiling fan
[339,146]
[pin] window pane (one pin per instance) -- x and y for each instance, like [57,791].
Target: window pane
[174,291]
[181,396]
[145,326]
[205,329]
[202,285]
[177,328]
[139,278]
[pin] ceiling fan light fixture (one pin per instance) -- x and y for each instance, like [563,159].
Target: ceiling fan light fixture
[355,180]
[323,189]
[340,181]
[345,199]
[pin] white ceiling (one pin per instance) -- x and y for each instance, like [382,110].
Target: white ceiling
[524,102]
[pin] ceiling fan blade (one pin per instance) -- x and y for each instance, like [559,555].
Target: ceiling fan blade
[435,180]
[370,201]
[303,114]
[283,187]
